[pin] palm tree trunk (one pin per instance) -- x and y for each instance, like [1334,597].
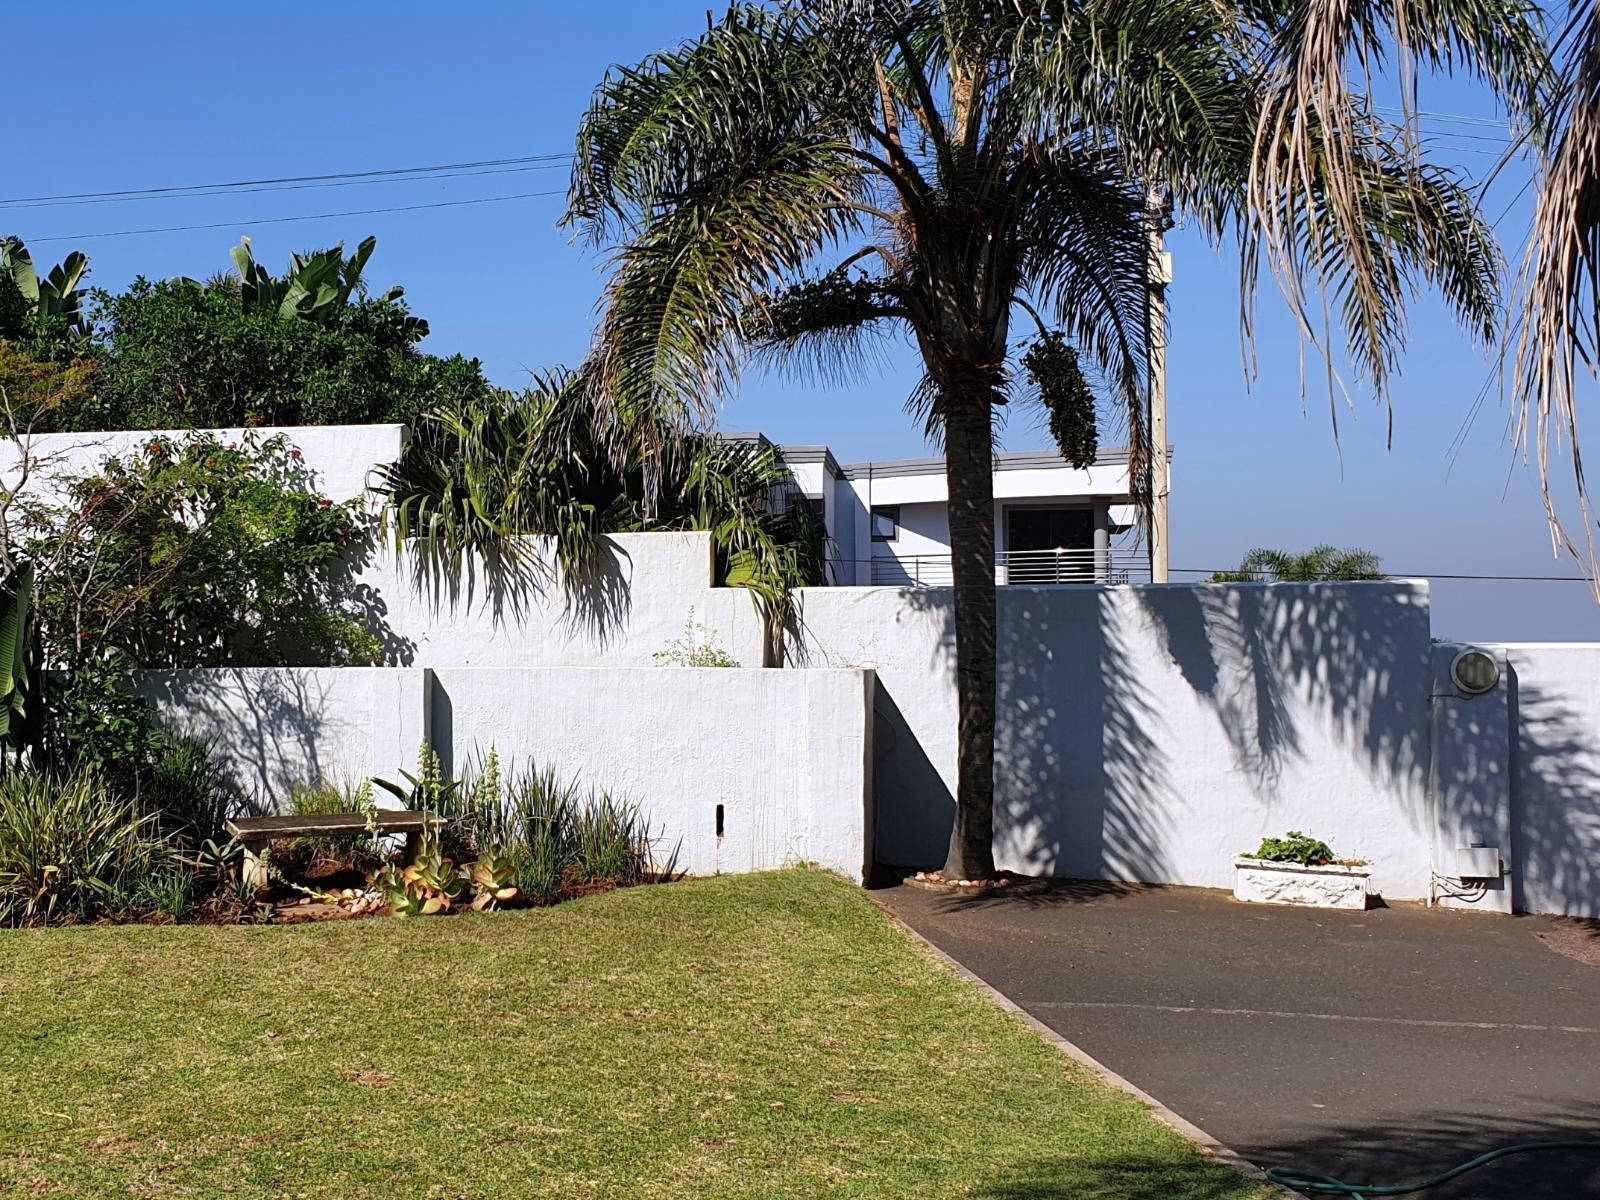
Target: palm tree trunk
[969,474]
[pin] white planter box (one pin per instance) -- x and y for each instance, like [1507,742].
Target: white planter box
[1257,881]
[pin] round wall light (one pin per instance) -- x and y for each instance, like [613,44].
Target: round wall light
[1474,672]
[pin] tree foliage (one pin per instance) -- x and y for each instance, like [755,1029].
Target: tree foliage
[480,479]
[317,287]
[195,553]
[1319,564]
[309,347]
[55,301]
[177,354]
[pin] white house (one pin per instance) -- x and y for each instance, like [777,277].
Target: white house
[1053,523]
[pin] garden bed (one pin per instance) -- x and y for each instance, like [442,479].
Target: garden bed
[768,1035]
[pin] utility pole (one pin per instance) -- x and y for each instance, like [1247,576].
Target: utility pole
[1159,214]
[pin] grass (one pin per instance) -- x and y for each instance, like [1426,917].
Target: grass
[758,1036]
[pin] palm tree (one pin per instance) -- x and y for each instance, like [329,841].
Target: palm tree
[485,474]
[803,177]
[1319,564]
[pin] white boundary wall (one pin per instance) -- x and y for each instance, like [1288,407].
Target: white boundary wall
[787,757]
[1555,776]
[1152,733]
[1144,733]
[648,588]
[339,457]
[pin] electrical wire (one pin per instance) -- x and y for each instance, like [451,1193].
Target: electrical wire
[1401,575]
[357,212]
[224,188]
[21,206]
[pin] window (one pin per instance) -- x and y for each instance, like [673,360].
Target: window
[886,523]
[819,511]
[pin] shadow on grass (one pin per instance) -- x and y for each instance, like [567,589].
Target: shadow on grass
[1131,1178]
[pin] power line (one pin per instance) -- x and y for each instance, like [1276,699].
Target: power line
[222,188]
[1400,575]
[19,205]
[357,212]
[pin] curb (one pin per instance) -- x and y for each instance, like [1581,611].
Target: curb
[1203,1141]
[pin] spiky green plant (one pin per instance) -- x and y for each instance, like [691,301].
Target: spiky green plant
[16,658]
[55,298]
[70,849]
[317,286]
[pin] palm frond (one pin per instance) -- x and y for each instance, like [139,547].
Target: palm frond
[1560,283]
[1312,172]
[719,172]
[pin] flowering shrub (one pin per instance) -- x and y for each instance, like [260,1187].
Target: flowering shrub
[195,552]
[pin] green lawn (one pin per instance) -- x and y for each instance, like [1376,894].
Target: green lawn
[762,1036]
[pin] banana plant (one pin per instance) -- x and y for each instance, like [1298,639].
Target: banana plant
[16,645]
[57,294]
[316,288]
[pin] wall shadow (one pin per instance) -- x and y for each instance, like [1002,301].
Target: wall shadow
[913,805]
[348,577]
[510,587]
[915,809]
[272,723]
[1555,767]
[1134,722]
[1074,797]
[1124,1176]
[1033,892]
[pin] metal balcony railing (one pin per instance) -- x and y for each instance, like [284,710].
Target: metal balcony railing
[1023,568]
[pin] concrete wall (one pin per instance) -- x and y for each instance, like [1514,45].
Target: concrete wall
[788,757]
[1152,733]
[639,601]
[1554,698]
[276,728]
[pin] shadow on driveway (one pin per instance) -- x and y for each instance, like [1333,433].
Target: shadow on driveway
[1376,1047]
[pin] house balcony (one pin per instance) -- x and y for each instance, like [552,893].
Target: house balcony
[1021,568]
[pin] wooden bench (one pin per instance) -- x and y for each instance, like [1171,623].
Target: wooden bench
[254,834]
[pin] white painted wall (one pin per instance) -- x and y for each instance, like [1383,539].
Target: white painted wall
[1151,733]
[640,601]
[278,727]
[1555,772]
[338,456]
[787,755]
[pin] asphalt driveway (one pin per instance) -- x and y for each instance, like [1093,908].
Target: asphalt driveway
[1375,1047]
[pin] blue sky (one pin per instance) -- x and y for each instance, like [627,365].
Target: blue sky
[181,93]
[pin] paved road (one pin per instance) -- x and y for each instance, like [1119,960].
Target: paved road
[1374,1046]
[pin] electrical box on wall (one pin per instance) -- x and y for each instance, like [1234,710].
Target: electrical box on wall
[1476,862]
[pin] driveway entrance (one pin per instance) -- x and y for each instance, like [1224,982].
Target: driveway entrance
[1376,1047]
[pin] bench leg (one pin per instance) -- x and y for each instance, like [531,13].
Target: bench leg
[413,844]
[253,872]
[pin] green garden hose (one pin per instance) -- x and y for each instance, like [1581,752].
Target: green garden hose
[1312,1184]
